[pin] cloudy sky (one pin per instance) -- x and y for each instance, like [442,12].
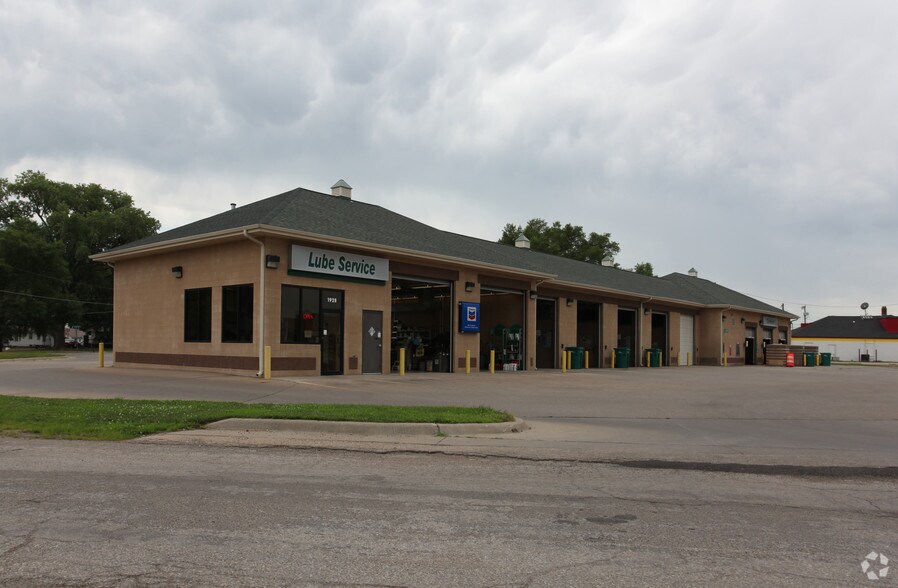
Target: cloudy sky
[755,141]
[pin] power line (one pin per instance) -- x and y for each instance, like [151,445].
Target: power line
[64,281]
[51,298]
[805,304]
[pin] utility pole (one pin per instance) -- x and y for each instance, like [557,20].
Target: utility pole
[804,313]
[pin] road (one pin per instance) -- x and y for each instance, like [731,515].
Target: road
[132,514]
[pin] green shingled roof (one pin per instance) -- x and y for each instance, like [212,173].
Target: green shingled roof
[711,293]
[305,211]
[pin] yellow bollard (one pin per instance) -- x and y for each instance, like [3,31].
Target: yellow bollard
[724,361]
[648,359]
[492,361]
[266,363]
[564,362]
[612,359]
[585,359]
[402,361]
[102,355]
[467,361]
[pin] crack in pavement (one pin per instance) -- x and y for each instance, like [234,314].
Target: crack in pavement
[27,540]
[829,472]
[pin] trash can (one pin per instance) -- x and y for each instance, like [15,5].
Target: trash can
[621,357]
[826,359]
[576,358]
[810,359]
[654,357]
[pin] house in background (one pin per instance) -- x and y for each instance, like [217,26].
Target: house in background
[31,339]
[74,337]
[853,338]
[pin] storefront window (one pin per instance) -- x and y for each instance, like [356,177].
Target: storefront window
[198,315]
[237,314]
[300,314]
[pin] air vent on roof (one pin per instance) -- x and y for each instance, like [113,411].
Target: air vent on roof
[608,261]
[233,205]
[341,189]
[522,242]
[693,272]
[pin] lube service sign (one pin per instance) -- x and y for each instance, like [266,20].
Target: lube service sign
[334,263]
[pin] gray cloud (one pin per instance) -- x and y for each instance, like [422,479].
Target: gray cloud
[752,141]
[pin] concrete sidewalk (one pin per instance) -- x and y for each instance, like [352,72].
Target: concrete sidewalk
[542,440]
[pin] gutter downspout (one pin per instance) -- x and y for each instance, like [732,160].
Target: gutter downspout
[261,302]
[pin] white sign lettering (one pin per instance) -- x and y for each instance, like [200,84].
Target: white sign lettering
[334,263]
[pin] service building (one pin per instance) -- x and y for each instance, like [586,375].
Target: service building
[333,285]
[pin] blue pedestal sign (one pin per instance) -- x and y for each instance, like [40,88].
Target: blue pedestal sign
[469,317]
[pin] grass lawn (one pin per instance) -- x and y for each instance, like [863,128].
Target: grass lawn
[116,419]
[28,354]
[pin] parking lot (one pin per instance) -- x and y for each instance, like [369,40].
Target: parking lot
[823,416]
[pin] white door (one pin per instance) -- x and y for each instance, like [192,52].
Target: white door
[687,339]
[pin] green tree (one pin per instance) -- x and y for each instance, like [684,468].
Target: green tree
[32,271]
[72,221]
[645,268]
[563,240]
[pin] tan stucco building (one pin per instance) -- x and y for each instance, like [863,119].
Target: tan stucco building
[332,285]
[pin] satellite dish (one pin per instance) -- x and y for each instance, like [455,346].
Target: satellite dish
[865,306]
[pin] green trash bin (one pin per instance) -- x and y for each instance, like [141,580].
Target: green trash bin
[621,357]
[810,359]
[576,358]
[826,359]
[654,357]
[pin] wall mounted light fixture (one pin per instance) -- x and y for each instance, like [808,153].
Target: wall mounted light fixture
[177,271]
[533,294]
[272,261]
[570,301]
[469,286]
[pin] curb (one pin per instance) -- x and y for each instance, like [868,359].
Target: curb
[371,429]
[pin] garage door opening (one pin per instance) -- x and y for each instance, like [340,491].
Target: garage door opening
[659,336]
[545,333]
[422,324]
[626,331]
[502,315]
[589,330]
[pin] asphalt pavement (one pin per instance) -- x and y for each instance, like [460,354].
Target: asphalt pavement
[834,419]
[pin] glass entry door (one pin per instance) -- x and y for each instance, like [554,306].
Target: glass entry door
[331,332]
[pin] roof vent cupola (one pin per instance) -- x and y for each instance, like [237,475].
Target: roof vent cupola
[693,272]
[341,189]
[522,242]
[608,261]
